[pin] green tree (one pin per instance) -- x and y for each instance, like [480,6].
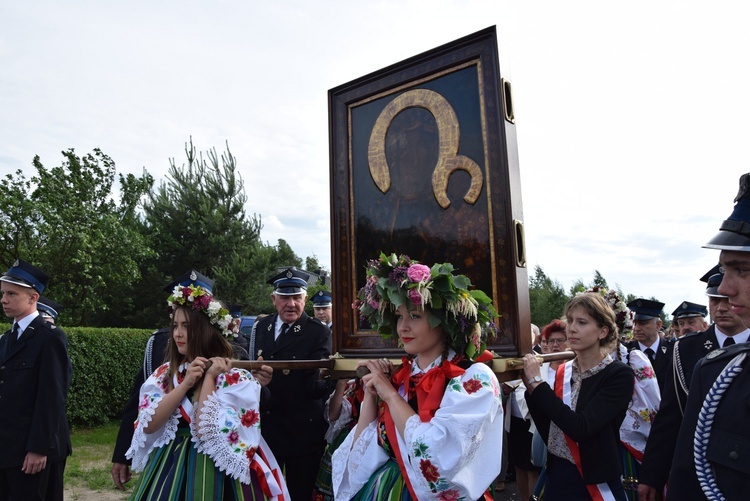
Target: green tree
[547,298]
[197,216]
[195,219]
[578,286]
[243,279]
[18,218]
[599,280]
[67,221]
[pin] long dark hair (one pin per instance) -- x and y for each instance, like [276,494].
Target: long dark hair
[204,340]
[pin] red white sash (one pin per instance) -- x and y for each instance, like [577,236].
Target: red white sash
[390,430]
[598,492]
[268,473]
[186,406]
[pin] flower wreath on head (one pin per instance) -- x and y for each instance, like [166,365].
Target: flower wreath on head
[200,299]
[623,314]
[465,315]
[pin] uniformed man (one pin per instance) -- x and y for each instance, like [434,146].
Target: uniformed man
[646,325]
[323,311]
[35,376]
[323,307]
[48,309]
[712,457]
[726,328]
[690,317]
[240,344]
[292,418]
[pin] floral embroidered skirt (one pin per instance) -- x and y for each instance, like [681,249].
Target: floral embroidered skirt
[177,471]
[386,483]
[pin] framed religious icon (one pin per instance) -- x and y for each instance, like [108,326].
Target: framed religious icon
[424,163]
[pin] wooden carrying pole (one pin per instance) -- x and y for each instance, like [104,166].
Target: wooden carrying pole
[346,368]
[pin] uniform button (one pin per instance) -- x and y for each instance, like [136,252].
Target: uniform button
[734,455]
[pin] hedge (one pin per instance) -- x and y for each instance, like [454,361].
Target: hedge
[105,362]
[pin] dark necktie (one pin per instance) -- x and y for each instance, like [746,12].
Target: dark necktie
[728,342]
[284,328]
[13,336]
[650,353]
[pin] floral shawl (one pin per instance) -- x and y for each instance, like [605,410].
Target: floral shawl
[643,406]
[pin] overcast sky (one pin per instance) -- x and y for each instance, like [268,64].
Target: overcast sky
[632,118]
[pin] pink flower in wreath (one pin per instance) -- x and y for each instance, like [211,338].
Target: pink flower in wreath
[250,417]
[415,296]
[451,495]
[429,470]
[418,273]
[233,437]
[202,302]
[472,386]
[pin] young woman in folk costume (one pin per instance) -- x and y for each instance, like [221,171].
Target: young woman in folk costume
[432,428]
[580,417]
[197,434]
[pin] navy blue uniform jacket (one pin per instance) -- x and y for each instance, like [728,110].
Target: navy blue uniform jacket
[728,449]
[292,419]
[34,381]
[657,459]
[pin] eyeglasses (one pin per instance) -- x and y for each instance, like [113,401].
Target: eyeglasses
[557,341]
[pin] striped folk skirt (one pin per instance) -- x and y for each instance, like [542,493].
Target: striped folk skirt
[177,471]
[386,483]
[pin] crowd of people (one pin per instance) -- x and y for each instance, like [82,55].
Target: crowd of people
[632,413]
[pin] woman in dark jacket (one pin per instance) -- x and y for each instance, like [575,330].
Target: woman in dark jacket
[580,417]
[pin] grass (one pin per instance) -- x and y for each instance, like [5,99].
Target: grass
[89,467]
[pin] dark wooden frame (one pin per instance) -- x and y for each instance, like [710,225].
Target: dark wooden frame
[509,277]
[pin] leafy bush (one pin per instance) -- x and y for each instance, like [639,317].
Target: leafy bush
[105,362]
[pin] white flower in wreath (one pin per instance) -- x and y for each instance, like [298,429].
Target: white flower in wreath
[213,308]
[224,321]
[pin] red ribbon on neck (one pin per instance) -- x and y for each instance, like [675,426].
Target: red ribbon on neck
[430,388]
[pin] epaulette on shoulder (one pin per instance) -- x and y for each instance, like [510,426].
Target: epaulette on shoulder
[691,335]
[727,353]
[163,330]
[691,339]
